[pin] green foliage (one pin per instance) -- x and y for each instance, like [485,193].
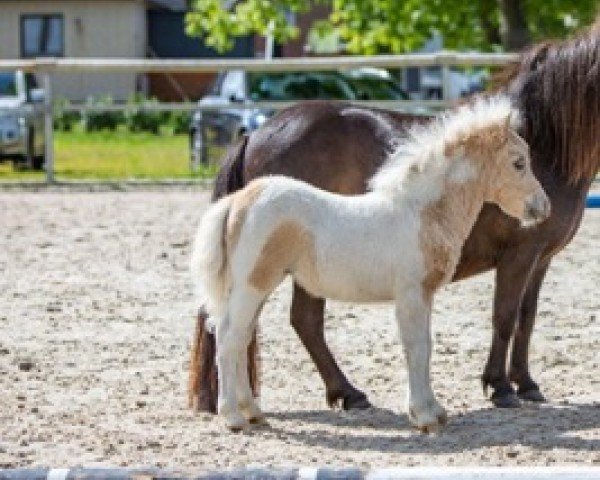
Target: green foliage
[95,120]
[140,119]
[65,119]
[179,121]
[136,117]
[558,18]
[387,26]
[209,19]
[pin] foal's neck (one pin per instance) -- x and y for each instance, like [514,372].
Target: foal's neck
[450,216]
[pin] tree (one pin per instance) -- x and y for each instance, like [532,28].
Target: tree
[395,26]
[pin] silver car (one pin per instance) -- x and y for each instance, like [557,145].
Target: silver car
[21,120]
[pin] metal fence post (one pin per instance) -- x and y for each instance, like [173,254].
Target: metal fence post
[48,127]
[446,82]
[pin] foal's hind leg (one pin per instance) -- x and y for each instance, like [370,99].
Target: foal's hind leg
[307,314]
[245,395]
[228,346]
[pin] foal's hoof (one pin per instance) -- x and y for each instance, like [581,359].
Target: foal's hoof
[429,421]
[237,423]
[533,395]
[506,400]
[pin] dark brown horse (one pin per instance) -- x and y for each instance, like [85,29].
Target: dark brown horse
[557,88]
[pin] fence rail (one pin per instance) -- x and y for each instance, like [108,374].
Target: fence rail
[48,67]
[441,59]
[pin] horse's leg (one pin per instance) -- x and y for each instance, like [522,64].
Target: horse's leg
[414,326]
[512,276]
[519,365]
[307,315]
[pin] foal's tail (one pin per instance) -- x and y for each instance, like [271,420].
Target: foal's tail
[203,381]
[209,258]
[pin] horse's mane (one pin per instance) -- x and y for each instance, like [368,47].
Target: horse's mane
[556,86]
[422,151]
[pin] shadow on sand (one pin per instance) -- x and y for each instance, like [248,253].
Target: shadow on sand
[543,427]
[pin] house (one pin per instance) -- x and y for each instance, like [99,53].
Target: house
[106,29]
[121,29]
[77,28]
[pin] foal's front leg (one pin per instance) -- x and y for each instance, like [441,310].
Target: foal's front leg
[413,315]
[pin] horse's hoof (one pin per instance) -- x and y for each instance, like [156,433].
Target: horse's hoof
[442,418]
[357,401]
[260,421]
[533,395]
[506,400]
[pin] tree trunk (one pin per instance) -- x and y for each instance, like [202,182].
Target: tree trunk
[486,11]
[513,27]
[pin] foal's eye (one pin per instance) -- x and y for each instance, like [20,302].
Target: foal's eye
[519,164]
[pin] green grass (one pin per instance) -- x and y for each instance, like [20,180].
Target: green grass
[118,155]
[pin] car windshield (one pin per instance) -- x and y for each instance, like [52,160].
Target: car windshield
[8,85]
[298,86]
[374,88]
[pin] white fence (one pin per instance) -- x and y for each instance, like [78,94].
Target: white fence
[47,67]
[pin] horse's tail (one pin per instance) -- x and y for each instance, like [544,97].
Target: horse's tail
[231,175]
[202,386]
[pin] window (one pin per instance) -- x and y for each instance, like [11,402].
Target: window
[8,85]
[42,36]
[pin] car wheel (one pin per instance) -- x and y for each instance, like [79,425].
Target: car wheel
[33,161]
[39,162]
[29,154]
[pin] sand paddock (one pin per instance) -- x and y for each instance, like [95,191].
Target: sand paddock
[96,312]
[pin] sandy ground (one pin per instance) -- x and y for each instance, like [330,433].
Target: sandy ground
[96,312]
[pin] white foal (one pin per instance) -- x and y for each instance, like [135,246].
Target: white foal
[399,242]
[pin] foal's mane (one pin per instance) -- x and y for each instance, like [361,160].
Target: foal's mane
[423,151]
[556,86]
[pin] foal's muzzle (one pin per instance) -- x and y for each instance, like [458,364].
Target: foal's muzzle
[537,209]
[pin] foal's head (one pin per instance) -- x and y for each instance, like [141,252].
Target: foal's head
[512,184]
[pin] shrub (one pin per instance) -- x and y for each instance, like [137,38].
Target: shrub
[139,119]
[65,119]
[95,120]
[180,121]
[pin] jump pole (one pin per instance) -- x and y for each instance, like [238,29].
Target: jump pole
[312,473]
[593,201]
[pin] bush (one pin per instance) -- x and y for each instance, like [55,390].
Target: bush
[179,121]
[139,119]
[64,119]
[95,120]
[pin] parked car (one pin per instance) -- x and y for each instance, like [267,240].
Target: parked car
[374,84]
[21,120]
[228,121]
